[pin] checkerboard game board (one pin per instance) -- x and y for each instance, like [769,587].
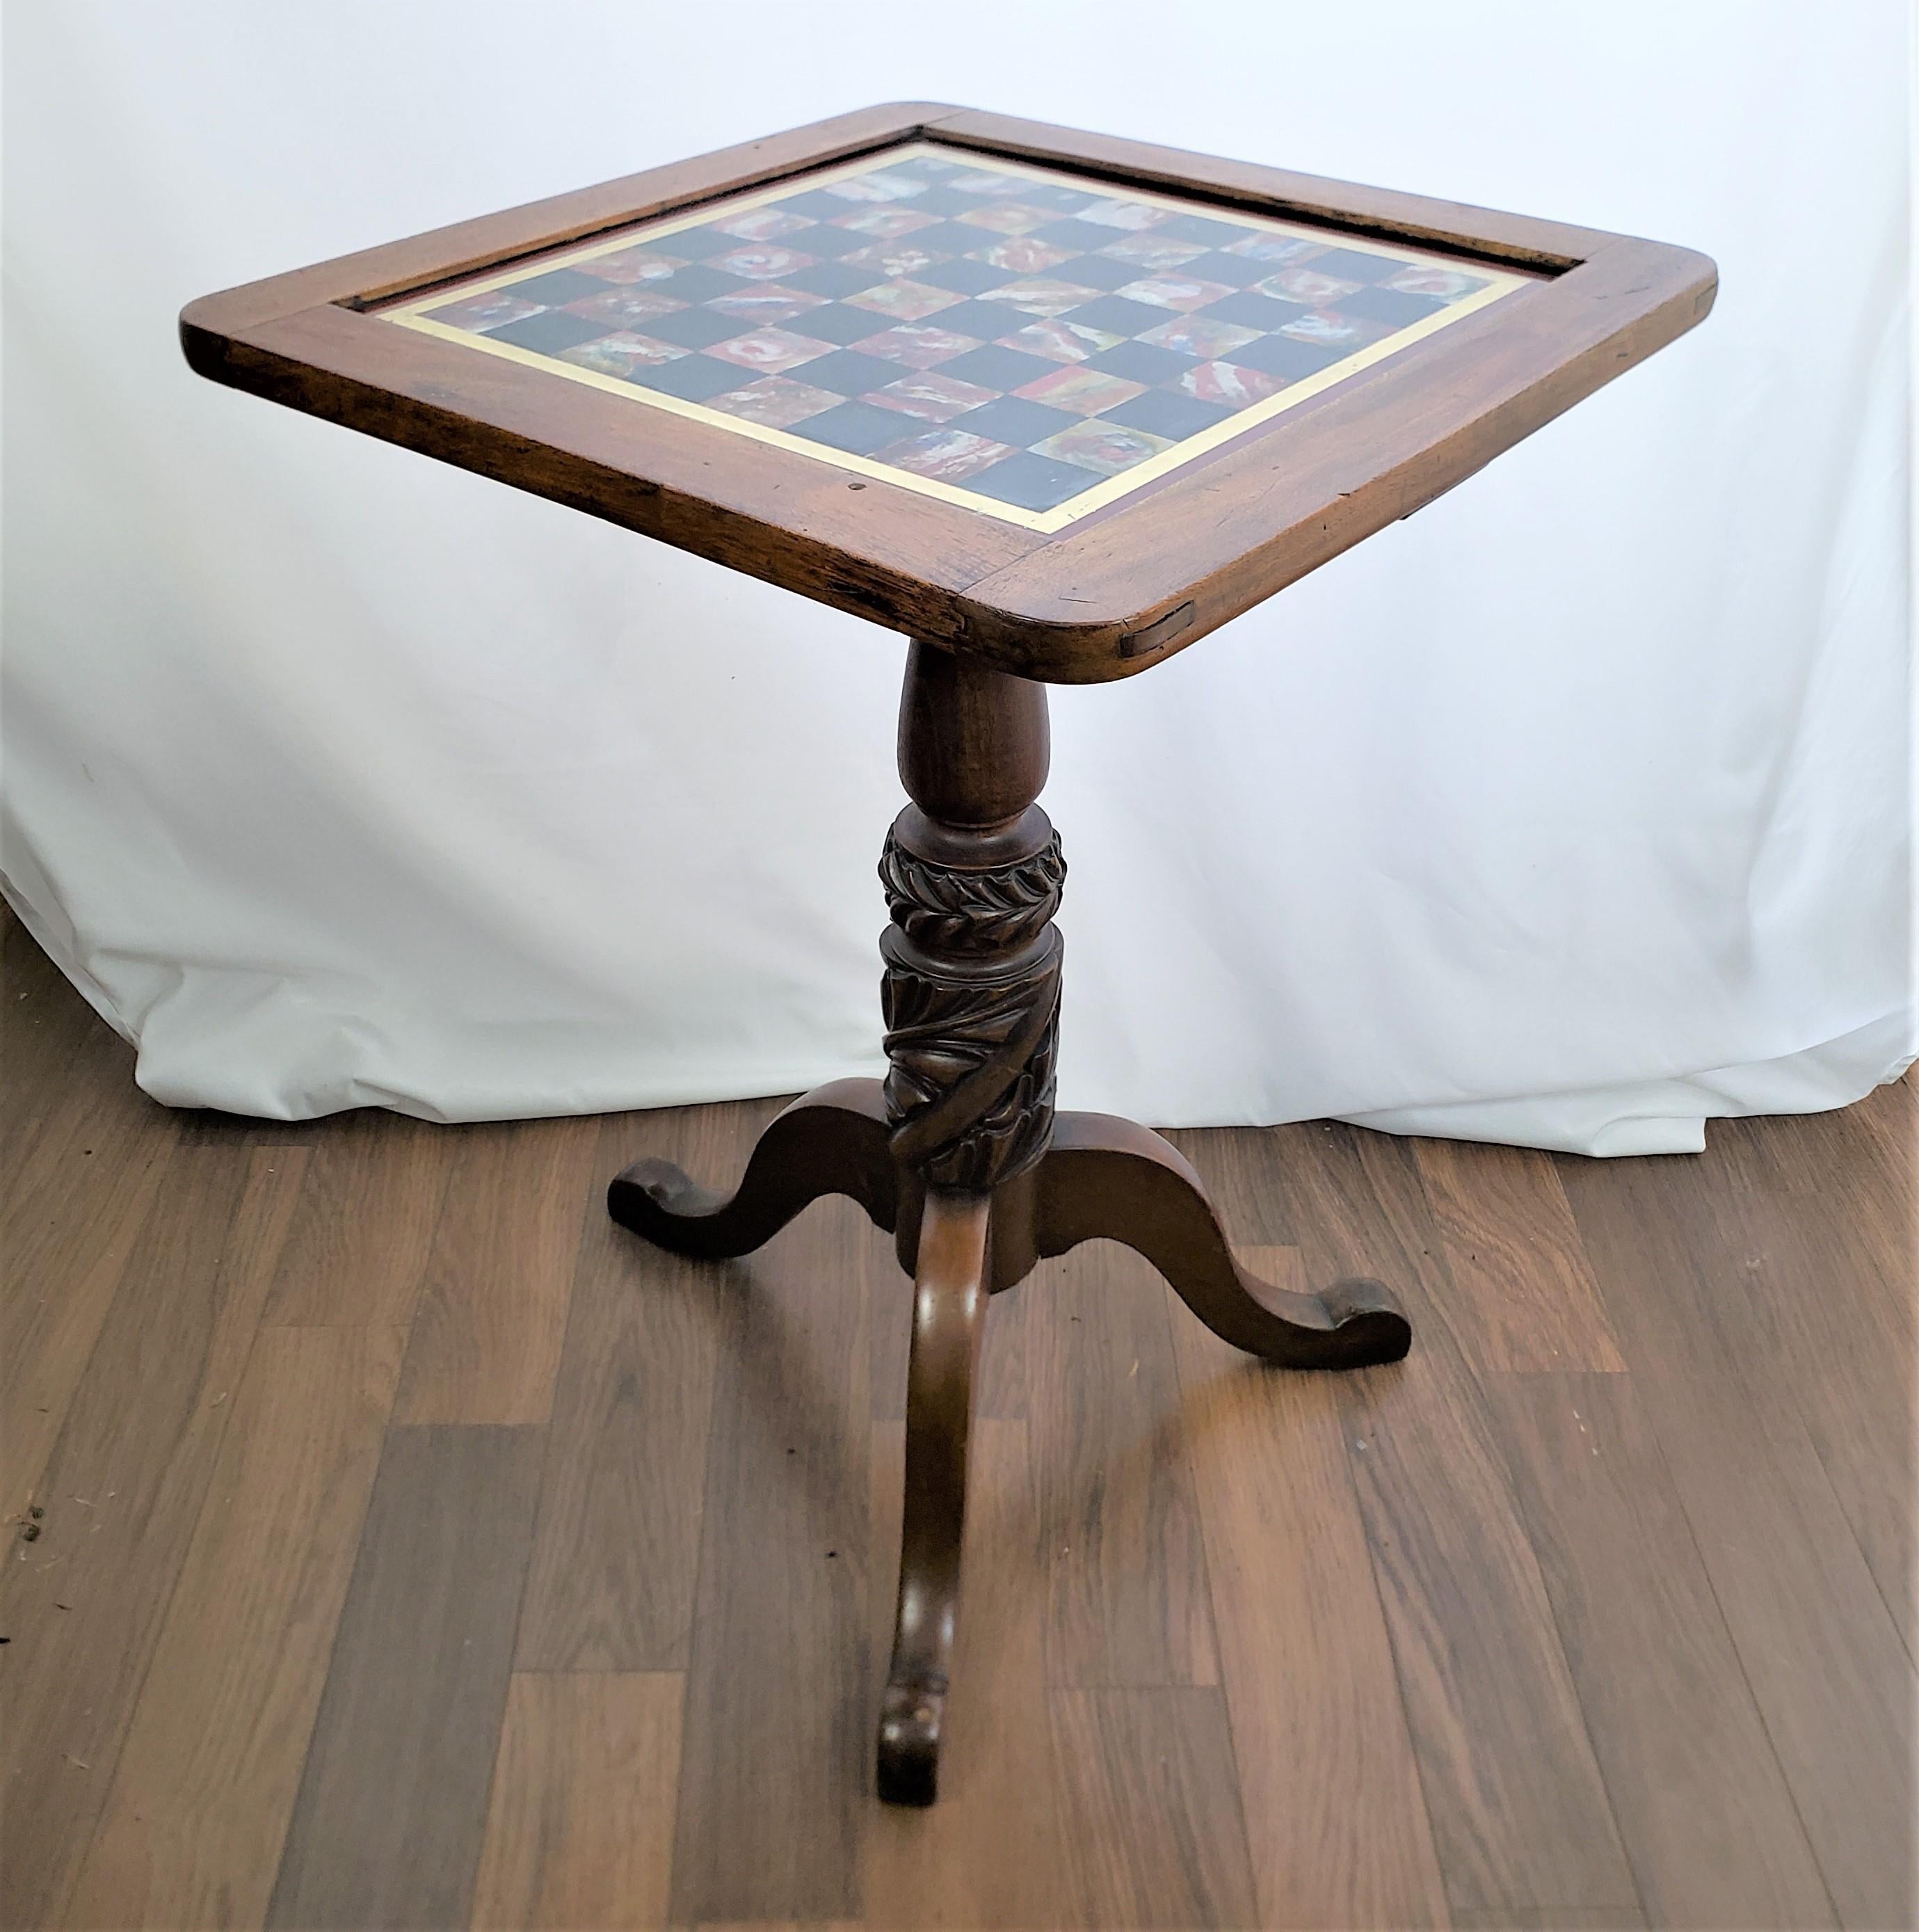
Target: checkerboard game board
[1022,341]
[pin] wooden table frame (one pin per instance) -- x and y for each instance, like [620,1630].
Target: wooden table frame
[960,1153]
[1107,597]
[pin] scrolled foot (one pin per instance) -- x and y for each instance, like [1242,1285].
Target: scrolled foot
[831,1141]
[1106,1178]
[910,1716]
[1367,1316]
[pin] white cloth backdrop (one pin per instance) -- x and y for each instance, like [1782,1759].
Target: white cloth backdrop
[1571,812]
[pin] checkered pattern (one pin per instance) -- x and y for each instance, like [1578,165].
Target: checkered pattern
[1022,339]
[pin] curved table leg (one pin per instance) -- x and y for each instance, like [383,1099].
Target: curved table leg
[1107,1177]
[831,1141]
[950,1296]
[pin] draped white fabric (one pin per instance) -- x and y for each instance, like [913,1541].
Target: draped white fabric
[1572,811]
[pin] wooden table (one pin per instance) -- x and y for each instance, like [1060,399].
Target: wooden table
[1057,405]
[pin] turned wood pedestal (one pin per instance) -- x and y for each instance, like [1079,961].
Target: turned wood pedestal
[959,1155]
[1057,405]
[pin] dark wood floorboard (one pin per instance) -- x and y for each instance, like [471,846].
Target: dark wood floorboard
[1708,1823]
[419,1549]
[1519,1807]
[1820,1646]
[1126,1568]
[198,1811]
[777,1726]
[616,1546]
[82,1603]
[387,1826]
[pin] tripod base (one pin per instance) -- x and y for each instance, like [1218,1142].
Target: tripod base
[1099,1178]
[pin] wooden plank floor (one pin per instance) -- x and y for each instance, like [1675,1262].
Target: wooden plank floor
[395,1542]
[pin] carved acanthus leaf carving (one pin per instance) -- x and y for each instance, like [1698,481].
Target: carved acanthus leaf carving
[971,998]
[962,909]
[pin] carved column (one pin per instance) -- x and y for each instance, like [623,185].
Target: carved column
[973,874]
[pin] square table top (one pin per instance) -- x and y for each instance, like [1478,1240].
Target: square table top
[1062,401]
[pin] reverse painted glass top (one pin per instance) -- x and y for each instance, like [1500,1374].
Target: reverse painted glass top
[1023,341]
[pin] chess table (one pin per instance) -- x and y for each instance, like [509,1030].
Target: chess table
[1056,405]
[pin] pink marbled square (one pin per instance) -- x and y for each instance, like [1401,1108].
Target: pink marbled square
[1034,294]
[762,261]
[950,455]
[1103,448]
[898,259]
[762,224]
[643,263]
[1226,383]
[769,350]
[904,302]
[1204,336]
[628,307]
[1085,391]
[1061,341]
[620,354]
[1175,291]
[931,396]
[1021,253]
[1305,285]
[917,345]
[1006,217]
[884,223]
[479,313]
[776,401]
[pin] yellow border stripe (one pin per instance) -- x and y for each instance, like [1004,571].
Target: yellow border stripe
[1499,284]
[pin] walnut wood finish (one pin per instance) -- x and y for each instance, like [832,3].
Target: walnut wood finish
[960,1154]
[950,1294]
[1109,596]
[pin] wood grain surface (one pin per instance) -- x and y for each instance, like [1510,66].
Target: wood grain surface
[1588,1615]
[1112,595]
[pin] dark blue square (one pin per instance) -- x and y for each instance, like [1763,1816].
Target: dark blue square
[697,282]
[693,378]
[858,428]
[1167,412]
[993,367]
[966,278]
[1095,271]
[1281,355]
[1031,482]
[1390,306]
[1247,310]
[1235,270]
[834,279]
[813,201]
[838,322]
[848,372]
[550,331]
[1119,315]
[1352,265]
[1012,419]
[555,287]
[950,238]
[695,245]
[1084,236]
[824,240]
[986,320]
[941,199]
[1139,362]
[694,328]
